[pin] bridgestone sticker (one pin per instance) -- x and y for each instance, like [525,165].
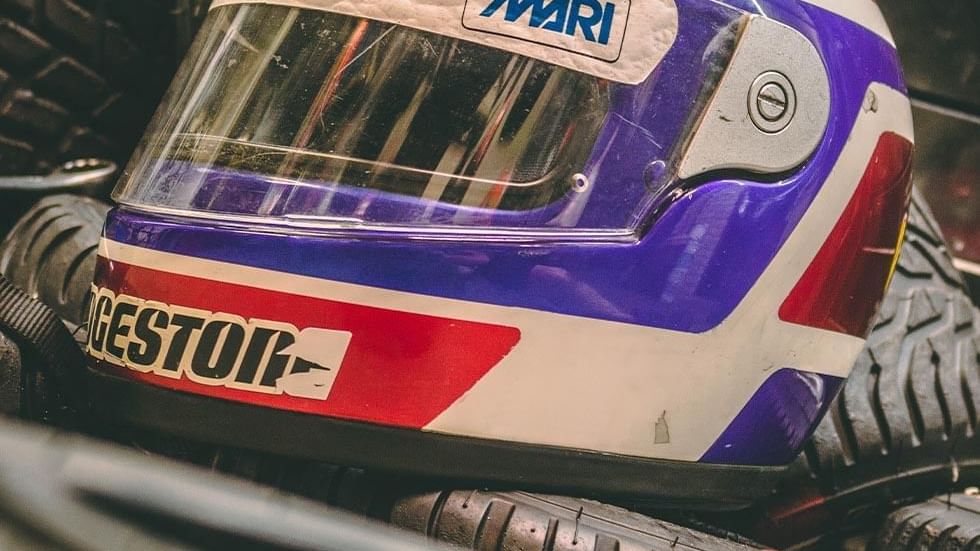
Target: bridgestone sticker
[213,348]
[618,40]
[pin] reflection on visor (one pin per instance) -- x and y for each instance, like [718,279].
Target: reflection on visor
[316,97]
[290,117]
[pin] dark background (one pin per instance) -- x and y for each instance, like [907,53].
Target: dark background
[940,46]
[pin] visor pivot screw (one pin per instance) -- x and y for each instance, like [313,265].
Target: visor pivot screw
[772,102]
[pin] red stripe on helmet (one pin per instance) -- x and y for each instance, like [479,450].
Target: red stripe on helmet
[844,285]
[400,369]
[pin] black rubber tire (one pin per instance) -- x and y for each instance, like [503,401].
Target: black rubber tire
[476,519]
[50,254]
[905,426]
[945,523]
[518,521]
[81,78]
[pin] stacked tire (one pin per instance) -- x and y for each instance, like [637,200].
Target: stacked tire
[905,427]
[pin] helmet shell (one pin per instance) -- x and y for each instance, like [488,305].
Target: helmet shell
[707,344]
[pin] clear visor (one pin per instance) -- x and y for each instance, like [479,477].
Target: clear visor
[297,116]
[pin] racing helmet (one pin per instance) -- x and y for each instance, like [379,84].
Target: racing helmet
[625,247]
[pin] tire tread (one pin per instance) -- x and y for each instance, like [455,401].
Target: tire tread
[51,252]
[945,523]
[905,425]
[81,78]
[512,521]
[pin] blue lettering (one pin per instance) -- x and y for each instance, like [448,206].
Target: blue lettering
[492,8]
[557,9]
[586,23]
[562,16]
[607,20]
[515,8]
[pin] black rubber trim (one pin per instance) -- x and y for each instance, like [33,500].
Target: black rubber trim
[486,463]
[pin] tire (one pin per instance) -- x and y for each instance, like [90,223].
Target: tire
[474,519]
[79,78]
[50,254]
[513,521]
[905,426]
[946,523]
[65,492]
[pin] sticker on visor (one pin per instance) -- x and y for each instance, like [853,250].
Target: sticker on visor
[618,40]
